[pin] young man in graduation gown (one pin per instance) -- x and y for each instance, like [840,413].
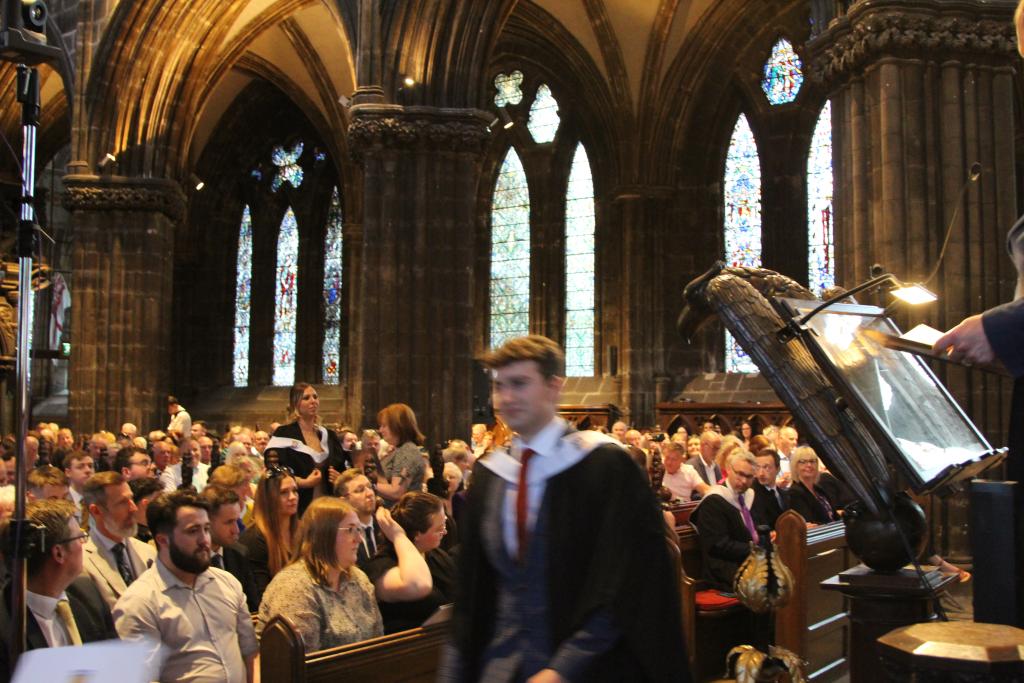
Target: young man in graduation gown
[565,571]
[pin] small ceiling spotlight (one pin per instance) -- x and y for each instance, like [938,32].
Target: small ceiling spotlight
[508,122]
[106,162]
[197,182]
[409,81]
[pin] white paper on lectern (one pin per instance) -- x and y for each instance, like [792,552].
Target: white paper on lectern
[110,661]
[923,334]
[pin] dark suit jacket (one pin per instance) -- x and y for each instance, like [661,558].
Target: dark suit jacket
[696,464]
[724,540]
[807,504]
[236,562]
[92,617]
[766,508]
[362,558]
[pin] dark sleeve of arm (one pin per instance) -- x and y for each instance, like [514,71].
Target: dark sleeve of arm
[800,502]
[259,559]
[596,636]
[1004,328]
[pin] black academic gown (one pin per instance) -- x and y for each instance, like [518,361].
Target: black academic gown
[303,464]
[607,551]
[724,540]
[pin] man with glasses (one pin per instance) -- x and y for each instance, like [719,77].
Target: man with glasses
[114,558]
[134,463]
[725,521]
[64,607]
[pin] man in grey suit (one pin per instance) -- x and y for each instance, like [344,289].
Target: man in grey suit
[114,558]
[709,471]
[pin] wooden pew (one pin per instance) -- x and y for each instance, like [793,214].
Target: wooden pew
[814,624]
[402,657]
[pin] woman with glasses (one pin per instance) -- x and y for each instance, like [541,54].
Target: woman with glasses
[306,446]
[404,468]
[322,592]
[402,604]
[272,536]
[817,496]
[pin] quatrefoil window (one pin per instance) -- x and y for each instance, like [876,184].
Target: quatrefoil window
[288,169]
[509,87]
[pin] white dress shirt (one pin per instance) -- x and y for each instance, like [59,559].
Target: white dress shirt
[44,609]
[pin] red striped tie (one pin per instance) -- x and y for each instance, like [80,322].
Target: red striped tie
[521,500]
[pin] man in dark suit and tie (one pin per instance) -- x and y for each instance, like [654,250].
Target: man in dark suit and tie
[355,488]
[709,471]
[64,607]
[770,500]
[225,551]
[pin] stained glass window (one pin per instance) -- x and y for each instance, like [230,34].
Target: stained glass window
[742,220]
[821,271]
[332,292]
[543,122]
[288,169]
[243,294]
[579,268]
[286,300]
[783,73]
[509,87]
[510,252]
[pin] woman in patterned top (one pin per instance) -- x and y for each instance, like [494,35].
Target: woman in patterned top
[322,592]
[404,468]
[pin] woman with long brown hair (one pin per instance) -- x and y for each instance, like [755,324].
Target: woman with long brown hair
[404,468]
[306,446]
[271,538]
[322,592]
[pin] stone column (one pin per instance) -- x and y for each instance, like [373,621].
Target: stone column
[411,339]
[921,90]
[121,332]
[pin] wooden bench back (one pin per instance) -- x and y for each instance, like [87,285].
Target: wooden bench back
[406,656]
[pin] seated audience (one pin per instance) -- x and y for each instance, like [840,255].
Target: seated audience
[226,552]
[46,483]
[817,496]
[64,607]
[724,523]
[728,445]
[354,487]
[194,614]
[403,469]
[271,537]
[78,467]
[114,558]
[693,447]
[704,463]
[323,592]
[413,579]
[770,499]
[144,490]
[680,479]
[189,470]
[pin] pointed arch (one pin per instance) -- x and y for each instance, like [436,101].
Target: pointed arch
[286,300]
[742,230]
[510,252]
[243,300]
[821,258]
[580,292]
[544,120]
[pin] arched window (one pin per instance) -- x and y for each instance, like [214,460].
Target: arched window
[286,300]
[243,299]
[332,291]
[821,270]
[288,168]
[783,74]
[579,268]
[742,196]
[510,252]
[544,120]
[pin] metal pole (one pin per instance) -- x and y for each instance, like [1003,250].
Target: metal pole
[28,96]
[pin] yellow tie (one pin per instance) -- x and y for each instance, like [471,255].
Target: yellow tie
[68,619]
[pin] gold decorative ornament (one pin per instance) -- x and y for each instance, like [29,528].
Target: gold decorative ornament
[753,666]
[763,582]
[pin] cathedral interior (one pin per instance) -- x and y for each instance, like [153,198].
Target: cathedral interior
[366,194]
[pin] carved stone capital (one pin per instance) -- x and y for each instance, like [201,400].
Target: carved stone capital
[924,30]
[114,193]
[381,126]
